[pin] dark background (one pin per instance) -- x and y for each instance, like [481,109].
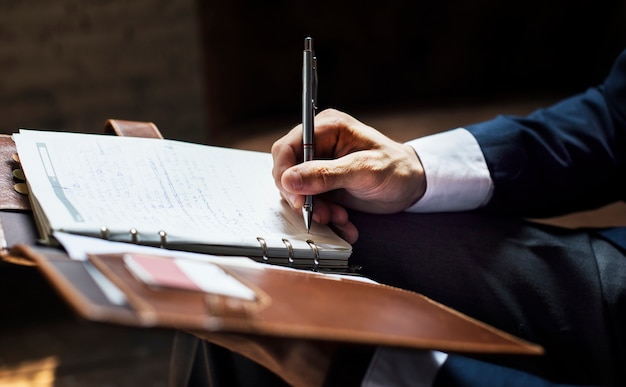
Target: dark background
[401,53]
[211,71]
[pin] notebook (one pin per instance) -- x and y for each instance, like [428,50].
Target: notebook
[168,193]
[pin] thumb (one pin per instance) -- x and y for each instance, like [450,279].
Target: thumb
[318,176]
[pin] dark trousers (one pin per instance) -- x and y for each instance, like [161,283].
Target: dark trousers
[564,289]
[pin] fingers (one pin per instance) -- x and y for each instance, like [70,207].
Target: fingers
[338,220]
[336,134]
[286,152]
[319,176]
[332,214]
[370,167]
[326,211]
[347,231]
[362,169]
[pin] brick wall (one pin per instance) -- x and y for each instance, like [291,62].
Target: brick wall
[70,65]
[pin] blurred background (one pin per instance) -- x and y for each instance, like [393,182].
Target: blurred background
[219,72]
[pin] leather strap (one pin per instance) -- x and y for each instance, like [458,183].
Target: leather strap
[132,128]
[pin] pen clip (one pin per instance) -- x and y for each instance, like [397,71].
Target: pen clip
[315,82]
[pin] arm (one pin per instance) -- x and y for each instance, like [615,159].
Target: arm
[568,157]
[560,159]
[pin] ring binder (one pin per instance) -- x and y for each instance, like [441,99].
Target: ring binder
[289,250]
[163,236]
[104,231]
[316,254]
[264,248]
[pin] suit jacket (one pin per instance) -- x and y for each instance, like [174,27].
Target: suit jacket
[565,158]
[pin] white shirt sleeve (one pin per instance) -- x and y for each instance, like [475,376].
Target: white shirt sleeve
[399,367]
[457,177]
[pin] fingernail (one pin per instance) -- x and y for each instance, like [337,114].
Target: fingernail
[291,198]
[296,181]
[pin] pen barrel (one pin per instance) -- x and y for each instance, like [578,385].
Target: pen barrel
[308,151]
[308,202]
[308,109]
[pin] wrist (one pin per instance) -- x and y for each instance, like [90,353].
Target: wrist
[417,187]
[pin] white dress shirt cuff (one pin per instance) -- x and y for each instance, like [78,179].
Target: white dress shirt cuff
[457,177]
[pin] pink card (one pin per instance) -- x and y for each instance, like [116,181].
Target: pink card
[159,271]
[185,274]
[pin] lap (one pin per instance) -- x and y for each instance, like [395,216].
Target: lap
[557,287]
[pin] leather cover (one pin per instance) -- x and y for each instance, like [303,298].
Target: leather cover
[303,304]
[132,128]
[298,320]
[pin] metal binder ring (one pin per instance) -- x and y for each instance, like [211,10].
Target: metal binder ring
[163,236]
[264,248]
[104,232]
[289,250]
[316,254]
[134,235]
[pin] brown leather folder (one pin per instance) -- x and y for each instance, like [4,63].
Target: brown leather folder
[301,304]
[297,322]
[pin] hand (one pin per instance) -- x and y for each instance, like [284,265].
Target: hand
[355,167]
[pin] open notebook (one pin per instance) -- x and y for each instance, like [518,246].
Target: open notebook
[177,195]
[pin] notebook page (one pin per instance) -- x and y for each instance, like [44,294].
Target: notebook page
[195,193]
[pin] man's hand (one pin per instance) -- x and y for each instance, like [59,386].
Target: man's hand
[355,167]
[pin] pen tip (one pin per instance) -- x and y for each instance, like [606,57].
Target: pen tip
[308,43]
[307,214]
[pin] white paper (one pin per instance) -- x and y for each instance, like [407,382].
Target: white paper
[198,195]
[213,279]
[78,247]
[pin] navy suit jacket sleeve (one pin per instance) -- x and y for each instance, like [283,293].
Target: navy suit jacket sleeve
[568,157]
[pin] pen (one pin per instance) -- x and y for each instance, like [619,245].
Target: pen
[309,91]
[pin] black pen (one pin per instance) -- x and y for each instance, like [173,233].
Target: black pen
[309,80]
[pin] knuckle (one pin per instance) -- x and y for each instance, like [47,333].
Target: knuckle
[334,117]
[325,177]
